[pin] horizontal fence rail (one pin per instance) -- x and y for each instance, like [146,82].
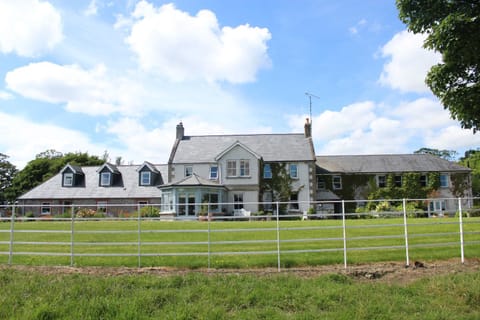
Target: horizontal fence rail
[374,231]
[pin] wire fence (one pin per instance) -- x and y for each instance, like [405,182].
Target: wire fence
[329,232]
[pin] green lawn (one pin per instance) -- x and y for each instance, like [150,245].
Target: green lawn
[35,295]
[239,244]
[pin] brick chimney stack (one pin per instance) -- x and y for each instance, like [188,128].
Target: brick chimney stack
[308,128]
[180,131]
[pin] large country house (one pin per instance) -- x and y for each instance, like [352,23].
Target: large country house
[238,174]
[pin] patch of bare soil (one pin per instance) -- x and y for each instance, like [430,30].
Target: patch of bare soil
[387,272]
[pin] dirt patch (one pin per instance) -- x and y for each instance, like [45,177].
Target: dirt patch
[388,272]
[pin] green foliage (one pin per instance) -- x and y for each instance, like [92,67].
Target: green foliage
[34,294]
[7,174]
[280,184]
[410,189]
[452,28]
[150,212]
[444,154]
[44,166]
[472,160]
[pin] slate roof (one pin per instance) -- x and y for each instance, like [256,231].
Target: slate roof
[386,163]
[193,181]
[271,147]
[52,188]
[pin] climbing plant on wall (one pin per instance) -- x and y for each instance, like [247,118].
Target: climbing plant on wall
[280,184]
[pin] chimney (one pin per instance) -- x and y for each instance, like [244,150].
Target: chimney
[180,131]
[308,129]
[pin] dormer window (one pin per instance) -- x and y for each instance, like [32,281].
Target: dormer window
[148,175]
[68,179]
[105,179]
[72,176]
[145,178]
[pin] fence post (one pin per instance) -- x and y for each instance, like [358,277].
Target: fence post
[278,239]
[72,236]
[208,220]
[139,236]
[12,227]
[344,227]
[404,204]
[460,220]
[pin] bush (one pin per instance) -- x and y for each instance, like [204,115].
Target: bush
[86,213]
[149,212]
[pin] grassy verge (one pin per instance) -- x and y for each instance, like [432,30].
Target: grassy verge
[234,244]
[32,295]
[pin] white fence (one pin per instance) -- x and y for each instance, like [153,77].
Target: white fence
[374,226]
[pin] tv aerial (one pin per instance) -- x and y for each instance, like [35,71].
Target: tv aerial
[310,95]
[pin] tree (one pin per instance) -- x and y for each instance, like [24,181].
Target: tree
[7,173]
[453,29]
[46,165]
[444,154]
[472,160]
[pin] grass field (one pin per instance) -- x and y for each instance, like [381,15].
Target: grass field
[240,244]
[35,295]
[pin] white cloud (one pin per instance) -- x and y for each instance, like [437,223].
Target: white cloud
[184,47]
[369,128]
[452,138]
[86,91]
[42,32]
[422,114]
[334,124]
[22,139]
[408,63]
[92,9]
[355,29]
[5,95]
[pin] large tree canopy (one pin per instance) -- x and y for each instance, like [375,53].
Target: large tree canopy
[453,29]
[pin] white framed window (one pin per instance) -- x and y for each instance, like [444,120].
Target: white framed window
[398,181]
[293,168]
[188,171]
[214,172]
[231,168]
[45,209]
[68,179]
[105,179]
[444,183]
[145,178]
[438,205]
[337,182]
[238,201]
[293,204]
[382,181]
[167,202]
[423,180]
[267,171]
[244,168]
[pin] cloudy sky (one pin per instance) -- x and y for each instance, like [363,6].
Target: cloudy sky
[96,75]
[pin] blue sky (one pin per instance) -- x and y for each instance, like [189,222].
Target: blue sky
[100,75]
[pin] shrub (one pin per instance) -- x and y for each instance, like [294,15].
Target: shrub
[150,212]
[86,213]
